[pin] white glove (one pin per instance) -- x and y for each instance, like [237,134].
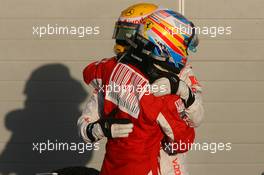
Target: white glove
[109,127]
[121,130]
[161,87]
[187,75]
[165,88]
[186,94]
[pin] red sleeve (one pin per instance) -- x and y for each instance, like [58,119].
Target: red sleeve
[174,126]
[163,110]
[95,73]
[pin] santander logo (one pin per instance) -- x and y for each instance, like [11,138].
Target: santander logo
[134,21]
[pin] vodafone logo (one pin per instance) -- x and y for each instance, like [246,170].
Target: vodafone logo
[176,167]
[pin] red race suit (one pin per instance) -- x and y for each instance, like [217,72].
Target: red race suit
[126,89]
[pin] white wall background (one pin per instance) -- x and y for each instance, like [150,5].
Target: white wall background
[231,69]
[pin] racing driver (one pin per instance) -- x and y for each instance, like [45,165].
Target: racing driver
[186,74]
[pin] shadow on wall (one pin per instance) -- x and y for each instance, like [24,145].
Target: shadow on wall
[50,113]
